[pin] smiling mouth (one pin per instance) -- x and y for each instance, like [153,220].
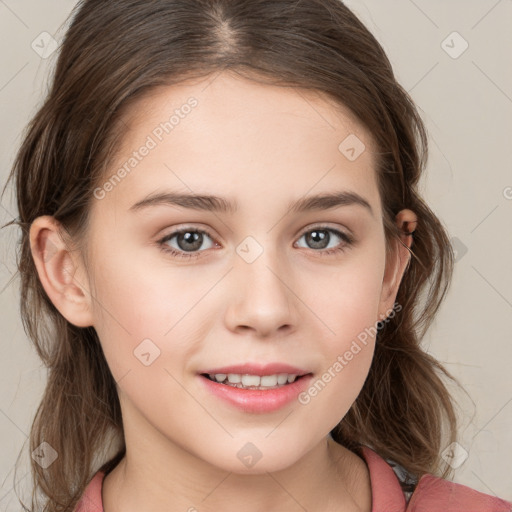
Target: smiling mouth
[247,381]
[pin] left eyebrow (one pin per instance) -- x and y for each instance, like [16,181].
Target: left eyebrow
[325,201]
[329,201]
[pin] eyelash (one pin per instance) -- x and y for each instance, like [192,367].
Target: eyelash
[347,239]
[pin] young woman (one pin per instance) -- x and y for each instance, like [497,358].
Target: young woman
[223,250]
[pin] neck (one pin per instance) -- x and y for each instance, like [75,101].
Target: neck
[328,477]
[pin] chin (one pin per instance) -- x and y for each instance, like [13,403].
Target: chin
[254,458]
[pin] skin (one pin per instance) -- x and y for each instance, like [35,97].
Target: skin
[262,146]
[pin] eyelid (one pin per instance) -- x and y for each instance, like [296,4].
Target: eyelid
[348,239]
[326,225]
[205,230]
[186,227]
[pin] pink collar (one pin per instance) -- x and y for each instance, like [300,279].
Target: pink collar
[432,493]
[387,493]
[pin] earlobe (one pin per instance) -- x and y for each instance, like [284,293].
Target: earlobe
[398,260]
[60,273]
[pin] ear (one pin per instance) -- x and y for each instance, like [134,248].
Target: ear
[60,272]
[397,260]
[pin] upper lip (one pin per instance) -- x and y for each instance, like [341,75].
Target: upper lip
[257,369]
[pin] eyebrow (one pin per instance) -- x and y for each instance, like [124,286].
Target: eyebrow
[214,203]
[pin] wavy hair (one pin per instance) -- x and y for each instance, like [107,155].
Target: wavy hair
[117,51]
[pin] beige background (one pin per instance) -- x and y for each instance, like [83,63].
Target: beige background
[466,103]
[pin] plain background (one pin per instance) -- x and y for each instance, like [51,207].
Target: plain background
[465,100]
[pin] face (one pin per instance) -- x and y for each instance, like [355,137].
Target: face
[181,288]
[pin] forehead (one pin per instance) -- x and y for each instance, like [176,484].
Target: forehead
[231,136]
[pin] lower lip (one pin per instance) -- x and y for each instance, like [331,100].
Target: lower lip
[258,400]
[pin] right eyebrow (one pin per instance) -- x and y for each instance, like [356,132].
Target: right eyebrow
[192,201]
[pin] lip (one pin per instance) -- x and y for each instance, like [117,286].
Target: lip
[258,369]
[258,400]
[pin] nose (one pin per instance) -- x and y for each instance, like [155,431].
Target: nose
[264,301]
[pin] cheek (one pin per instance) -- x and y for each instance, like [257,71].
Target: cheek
[347,296]
[346,359]
[348,307]
[142,308]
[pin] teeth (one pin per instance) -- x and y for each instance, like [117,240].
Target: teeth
[282,378]
[268,380]
[251,381]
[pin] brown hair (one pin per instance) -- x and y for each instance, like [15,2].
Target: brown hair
[115,52]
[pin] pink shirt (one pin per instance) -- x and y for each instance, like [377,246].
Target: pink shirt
[432,494]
